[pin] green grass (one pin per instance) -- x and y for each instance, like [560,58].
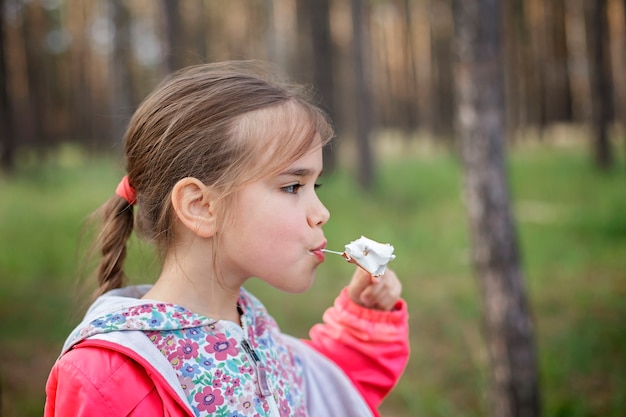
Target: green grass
[572,228]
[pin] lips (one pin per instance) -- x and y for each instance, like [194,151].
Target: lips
[317,252]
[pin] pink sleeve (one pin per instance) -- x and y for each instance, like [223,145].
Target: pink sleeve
[370,346]
[99,382]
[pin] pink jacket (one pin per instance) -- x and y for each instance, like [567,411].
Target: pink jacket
[368,350]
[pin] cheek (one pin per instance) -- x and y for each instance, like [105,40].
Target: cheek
[274,231]
[267,224]
[273,235]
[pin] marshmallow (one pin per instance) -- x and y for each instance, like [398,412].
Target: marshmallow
[369,255]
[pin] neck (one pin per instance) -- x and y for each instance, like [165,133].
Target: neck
[190,286]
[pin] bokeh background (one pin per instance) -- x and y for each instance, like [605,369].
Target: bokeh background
[72,72]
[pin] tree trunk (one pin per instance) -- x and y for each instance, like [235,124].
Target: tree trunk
[535,66]
[82,125]
[600,80]
[558,96]
[315,61]
[363,98]
[303,60]
[513,75]
[623,115]
[121,73]
[33,30]
[323,65]
[443,99]
[200,22]
[7,132]
[410,105]
[480,113]
[173,34]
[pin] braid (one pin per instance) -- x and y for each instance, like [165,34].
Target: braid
[116,229]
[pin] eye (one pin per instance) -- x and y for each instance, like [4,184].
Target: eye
[292,189]
[317,186]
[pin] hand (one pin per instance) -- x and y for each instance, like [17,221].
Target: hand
[380,293]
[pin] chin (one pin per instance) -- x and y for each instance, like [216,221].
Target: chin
[290,282]
[297,288]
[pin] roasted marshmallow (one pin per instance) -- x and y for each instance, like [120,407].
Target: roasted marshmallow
[369,255]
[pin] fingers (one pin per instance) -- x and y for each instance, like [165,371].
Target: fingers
[361,279]
[380,294]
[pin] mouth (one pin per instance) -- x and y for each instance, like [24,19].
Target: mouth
[318,252]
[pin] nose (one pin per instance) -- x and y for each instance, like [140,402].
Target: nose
[319,214]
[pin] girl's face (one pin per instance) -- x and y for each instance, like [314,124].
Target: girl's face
[276,228]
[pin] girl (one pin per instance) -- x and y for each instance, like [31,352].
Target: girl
[222,162]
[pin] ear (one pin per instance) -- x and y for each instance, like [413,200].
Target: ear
[194,205]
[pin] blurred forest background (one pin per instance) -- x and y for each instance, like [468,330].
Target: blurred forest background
[72,72]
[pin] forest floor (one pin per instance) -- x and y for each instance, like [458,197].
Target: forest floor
[572,233]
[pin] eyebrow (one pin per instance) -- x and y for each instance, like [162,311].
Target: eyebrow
[299,172]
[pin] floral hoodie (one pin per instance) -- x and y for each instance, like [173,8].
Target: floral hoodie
[215,367]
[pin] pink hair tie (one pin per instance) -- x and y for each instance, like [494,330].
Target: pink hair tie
[126,191]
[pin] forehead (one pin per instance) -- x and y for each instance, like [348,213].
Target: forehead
[278,136]
[310,164]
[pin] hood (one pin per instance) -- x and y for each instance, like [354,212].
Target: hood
[123,309]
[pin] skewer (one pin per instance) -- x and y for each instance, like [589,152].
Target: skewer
[332,251]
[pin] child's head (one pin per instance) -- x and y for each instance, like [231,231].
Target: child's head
[225,124]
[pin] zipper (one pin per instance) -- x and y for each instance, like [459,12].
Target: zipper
[259,367]
[261,371]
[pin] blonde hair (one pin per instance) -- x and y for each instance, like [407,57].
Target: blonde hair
[220,123]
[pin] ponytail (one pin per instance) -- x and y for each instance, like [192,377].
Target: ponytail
[117,226]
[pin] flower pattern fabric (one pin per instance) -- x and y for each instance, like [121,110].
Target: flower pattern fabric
[217,375]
